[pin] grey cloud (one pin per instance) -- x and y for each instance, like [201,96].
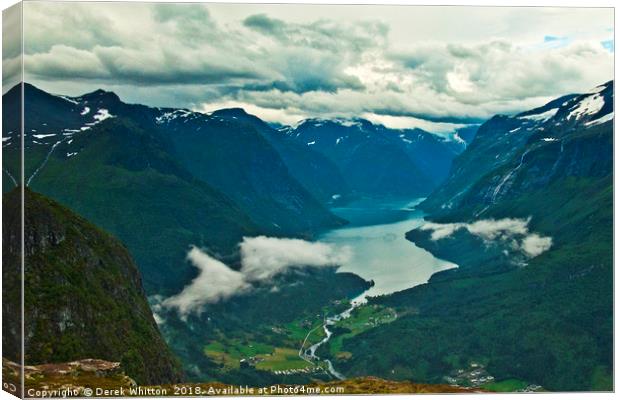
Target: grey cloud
[500,71]
[78,25]
[312,65]
[11,47]
[181,13]
[190,22]
[266,25]
[323,34]
[123,65]
[11,32]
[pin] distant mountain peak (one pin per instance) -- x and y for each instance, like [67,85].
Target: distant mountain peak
[231,111]
[101,96]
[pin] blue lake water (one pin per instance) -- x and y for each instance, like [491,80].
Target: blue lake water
[376,236]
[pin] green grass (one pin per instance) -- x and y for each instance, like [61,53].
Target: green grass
[283,359]
[229,353]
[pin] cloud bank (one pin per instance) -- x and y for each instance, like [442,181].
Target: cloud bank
[446,64]
[512,231]
[262,258]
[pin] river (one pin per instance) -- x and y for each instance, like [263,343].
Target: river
[380,252]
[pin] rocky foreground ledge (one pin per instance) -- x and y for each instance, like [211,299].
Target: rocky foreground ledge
[100,378]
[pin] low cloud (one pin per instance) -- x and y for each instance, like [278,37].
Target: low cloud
[216,281]
[534,245]
[512,231]
[262,258]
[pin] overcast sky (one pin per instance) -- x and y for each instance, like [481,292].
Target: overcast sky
[395,64]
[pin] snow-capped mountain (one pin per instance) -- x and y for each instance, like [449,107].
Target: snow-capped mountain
[567,136]
[228,155]
[376,159]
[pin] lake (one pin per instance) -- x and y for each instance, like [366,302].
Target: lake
[376,236]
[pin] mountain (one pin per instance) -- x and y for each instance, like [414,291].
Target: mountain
[229,156]
[571,140]
[124,178]
[316,173]
[376,160]
[83,293]
[237,159]
[498,140]
[527,214]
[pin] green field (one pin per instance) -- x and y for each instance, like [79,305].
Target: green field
[283,359]
[229,353]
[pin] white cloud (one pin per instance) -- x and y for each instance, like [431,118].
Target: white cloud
[490,229]
[534,245]
[216,281]
[282,116]
[412,122]
[514,232]
[262,258]
[441,231]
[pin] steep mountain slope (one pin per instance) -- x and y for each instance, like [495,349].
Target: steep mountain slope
[229,156]
[572,141]
[83,293]
[377,160]
[539,310]
[496,142]
[313,170]
[236,159]
[125,179]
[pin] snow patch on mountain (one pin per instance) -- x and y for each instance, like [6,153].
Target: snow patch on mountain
[589,105]
[601,120]
[69,99]
[102,115]
[541,116]
[41,136]
[172,115]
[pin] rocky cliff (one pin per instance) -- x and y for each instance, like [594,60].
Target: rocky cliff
[83,294]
